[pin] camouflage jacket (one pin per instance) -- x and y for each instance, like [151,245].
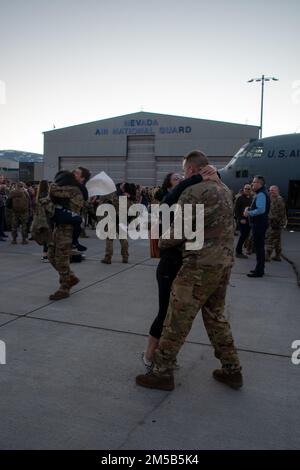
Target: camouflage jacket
[69,197]
[277,214]
[41,229]
[113,199]
[218,246]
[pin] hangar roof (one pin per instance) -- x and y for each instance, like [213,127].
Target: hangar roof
[147,115]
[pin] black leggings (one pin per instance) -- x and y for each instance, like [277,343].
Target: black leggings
[167,269]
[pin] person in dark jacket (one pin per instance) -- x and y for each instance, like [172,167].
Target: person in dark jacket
[167,269]
[258,214]
[242,201]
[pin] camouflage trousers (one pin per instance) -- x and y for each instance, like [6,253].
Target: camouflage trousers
[249,243]
[196,287]
[109,249]
[273,241]
[59,251]
[19,219]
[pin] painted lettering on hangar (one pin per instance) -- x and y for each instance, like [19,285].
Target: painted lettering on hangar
[143,126]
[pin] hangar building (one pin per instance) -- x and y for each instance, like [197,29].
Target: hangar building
[141,147]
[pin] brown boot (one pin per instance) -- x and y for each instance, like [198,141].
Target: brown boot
[24,242]
[125,260]
[151,380]
[60,294]
[276,258]
[233,379]
[106,260]
[73,280]
[14,241]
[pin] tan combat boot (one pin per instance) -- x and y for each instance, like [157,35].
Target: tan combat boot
[233,379]
[159,382]
[73,280]
[106,260]
[61,293]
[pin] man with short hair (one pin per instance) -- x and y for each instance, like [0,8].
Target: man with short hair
[277,222]
[65,192]
[201,283]
[258,214]
[243,200]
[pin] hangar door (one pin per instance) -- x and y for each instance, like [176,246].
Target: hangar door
[141,165]
[113,166]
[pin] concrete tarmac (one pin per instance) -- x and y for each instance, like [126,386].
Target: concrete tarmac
[69,380]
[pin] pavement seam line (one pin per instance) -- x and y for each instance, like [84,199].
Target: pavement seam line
[109,277]
[294,266]
[128,268]
[144,335]
[8,313]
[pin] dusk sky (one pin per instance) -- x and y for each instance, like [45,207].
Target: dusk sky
[68,62]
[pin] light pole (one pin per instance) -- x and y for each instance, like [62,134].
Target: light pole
[262,79]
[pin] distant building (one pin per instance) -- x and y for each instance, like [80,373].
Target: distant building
[9,168]
[141,147]
[23,166]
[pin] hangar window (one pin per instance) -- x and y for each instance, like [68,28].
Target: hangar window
[245,174]
[237,174]
[241,153]
[256,151]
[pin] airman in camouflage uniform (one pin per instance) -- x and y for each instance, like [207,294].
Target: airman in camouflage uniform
[277,221]
[114,200]
[19,203]
[200,284]
[60,247]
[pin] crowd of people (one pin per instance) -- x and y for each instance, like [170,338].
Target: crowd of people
[188,280]
[19,200]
